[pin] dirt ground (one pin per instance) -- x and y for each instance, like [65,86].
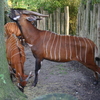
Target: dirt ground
[71,77]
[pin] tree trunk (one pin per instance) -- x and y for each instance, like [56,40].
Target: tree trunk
[7,89]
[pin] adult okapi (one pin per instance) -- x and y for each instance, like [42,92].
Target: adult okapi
[16,58]
[48,45]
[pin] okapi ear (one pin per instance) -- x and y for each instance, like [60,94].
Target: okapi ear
[30,19]
[39,19]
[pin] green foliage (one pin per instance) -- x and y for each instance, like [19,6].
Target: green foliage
[51,5]
[6,7]
[26,4]
[95,1]
[2,77]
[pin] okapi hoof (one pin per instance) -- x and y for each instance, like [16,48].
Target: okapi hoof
[95,82]
[34,84]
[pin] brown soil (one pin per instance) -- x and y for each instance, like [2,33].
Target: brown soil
[71,77]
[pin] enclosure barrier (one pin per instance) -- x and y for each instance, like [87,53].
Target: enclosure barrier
[88,24]
[57,22]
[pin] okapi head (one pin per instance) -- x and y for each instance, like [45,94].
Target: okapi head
[23,81]
[28,15]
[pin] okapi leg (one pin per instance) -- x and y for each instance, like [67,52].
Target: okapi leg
[96,76]
[12,73]
[37,68]
[96,70]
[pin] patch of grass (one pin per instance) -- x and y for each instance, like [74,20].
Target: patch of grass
[60,65]
[62,72]
[60,69]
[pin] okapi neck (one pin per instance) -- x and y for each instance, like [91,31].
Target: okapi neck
[29,32]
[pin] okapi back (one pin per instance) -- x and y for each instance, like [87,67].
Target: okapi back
[15,51]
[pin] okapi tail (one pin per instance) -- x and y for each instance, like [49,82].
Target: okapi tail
[97,58]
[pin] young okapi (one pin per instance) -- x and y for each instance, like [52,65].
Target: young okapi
[12,28]
[54,47]
[16,58]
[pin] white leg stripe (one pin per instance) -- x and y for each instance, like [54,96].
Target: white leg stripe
[52,46]
[38,71]
[41,62]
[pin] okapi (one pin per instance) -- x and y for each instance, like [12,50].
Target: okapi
[12,28]
[48,45]
[16,58]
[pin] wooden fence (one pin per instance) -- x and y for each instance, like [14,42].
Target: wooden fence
[88,24]
[57,22]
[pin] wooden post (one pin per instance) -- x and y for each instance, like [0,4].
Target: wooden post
[54,21]
[98,27]
[78,22]
[38,22]
[83,23]
[62,24]
[66,11]
[46,20]
[58,20]
[87,23]
[50,22]
[94,35]
[91,24]
[41,21]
